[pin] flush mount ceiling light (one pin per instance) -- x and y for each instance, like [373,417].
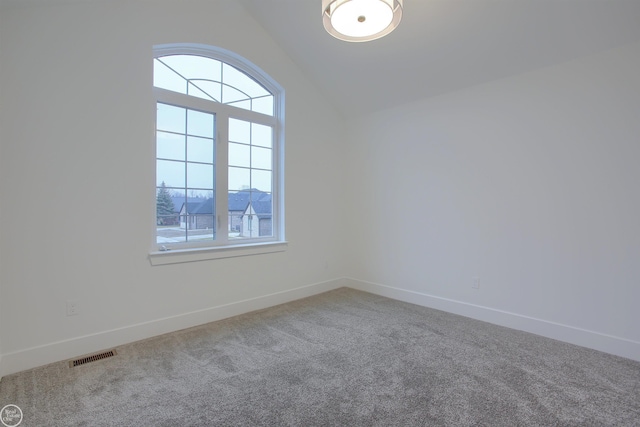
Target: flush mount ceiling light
[360,20]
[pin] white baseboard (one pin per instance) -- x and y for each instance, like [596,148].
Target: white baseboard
[582,337]
[68,349]
[63,350]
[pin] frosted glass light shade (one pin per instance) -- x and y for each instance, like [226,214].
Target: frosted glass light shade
[360,20]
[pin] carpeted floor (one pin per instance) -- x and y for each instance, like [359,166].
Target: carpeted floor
[343,358]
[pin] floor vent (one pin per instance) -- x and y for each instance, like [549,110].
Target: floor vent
[93,358]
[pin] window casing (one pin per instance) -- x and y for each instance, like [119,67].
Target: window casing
[219,151]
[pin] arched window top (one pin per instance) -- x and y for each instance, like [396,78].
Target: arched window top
[217,75]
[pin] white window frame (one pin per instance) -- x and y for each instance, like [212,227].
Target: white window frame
[222,247]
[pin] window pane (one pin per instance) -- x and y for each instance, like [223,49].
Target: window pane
[197,196]
[202,206]
[193,218]
[194,67]
[239,131]
[239,179]
[166,210]
[238,200]
[261,158]
[262,206]
[169,146]
[257,218]
[236,78]
[200,176]
[166,78]
[261,180]
[231,94]
[171,118]
[200,149]
[260,196]
[266,226]
[200,124]
[235,224]
[170,233]
[200,227]
[171,173]
[206,89]
[199,221]
[239,155]
[261,135]
[177,198]
[263,105]
[197,91]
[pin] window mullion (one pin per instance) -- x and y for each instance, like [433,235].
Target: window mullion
[175,98]
[222,177]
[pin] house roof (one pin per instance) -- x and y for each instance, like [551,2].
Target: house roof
[262,208]
[178,201]
[238,201]
[203,208]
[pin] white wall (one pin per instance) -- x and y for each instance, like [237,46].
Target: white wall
[527,182]
[530,183]
[77,179]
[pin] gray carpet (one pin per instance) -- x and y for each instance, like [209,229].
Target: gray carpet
[343,358]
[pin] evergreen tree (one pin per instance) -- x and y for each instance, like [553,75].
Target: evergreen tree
[164,205]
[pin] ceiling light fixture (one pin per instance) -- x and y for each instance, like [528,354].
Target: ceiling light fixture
[360,20]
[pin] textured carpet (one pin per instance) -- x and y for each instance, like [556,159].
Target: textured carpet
[343,358]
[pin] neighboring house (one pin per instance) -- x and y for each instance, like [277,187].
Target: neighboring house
[178,201]
[256,220]
[246,207]
[238,202]
[197,215]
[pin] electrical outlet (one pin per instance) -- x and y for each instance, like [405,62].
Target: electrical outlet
[476,283]
[73,307]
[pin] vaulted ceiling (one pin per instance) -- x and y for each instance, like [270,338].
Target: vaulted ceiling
[444,45]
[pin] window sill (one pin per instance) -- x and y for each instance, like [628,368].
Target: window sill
[202,254]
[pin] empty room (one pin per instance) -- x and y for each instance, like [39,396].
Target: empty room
[319,212]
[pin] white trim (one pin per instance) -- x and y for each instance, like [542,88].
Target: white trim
[223,113]
[177,256]
[62,350]
[67,349]
[180,99]
[591,339]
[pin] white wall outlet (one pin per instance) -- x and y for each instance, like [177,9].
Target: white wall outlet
[73,307]
[475,284]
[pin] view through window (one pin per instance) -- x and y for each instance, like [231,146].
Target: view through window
[217,151]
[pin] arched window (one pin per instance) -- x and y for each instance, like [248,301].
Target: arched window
[219,143]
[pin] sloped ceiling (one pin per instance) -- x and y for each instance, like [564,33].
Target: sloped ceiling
[444,45]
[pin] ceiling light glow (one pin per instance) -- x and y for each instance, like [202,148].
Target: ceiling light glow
[360,20]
